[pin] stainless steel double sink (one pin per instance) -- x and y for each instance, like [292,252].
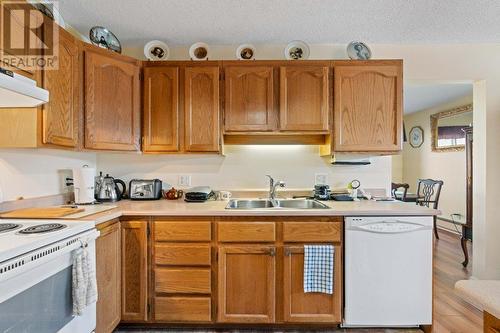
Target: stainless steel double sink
[275,204]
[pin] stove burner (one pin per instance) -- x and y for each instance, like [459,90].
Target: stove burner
[38,229]
[4,227]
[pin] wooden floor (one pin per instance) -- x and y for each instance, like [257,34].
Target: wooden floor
[451,314]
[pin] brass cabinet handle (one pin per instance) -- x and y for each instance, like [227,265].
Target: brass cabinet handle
[288,252]
[272,252]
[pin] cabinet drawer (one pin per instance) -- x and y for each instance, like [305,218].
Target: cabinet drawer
[181,309]
[246,232]
[187,281]
[182,231]
[312,231]
[182,255]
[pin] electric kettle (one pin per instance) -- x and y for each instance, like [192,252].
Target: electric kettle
[107,189]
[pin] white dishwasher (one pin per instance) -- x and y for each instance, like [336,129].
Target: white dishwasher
[388,271]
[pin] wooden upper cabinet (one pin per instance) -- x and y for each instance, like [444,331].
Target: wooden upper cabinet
[368,106]
[301,307]
[108,271]
[201,109]
[134,261]
[304,98]
[161,109]
[246,284]
[250,99]
[112,101]
[61,115]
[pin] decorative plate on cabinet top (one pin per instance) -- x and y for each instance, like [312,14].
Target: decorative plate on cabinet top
[199,51]
[297,50]
[245,52]
[104,38]
[358,51]
[156,50]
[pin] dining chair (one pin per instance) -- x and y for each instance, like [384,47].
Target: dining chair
[395,187]
[428,192]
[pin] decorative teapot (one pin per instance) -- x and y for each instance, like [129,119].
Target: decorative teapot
[173,194]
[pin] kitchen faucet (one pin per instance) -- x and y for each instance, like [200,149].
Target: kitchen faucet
[272,187]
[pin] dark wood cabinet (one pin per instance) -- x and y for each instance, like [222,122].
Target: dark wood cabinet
[161,109]
[247,284]
[467,228]
[112,101]
[249,99]
[304,98]
[134,262]
[61,115]
[108,272]
[368,106]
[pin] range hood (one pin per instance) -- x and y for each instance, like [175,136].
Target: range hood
[17,91]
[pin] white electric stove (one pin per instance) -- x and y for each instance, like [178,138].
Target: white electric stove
[19,236]
[36,261]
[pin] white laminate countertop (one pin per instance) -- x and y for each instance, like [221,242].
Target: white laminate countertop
[218,208]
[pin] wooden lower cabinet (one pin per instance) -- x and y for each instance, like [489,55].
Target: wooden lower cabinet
[300,307]
[183,309]
[225,271]
[182,270]
[246,284]
[108,273]
[491,323]
[134,260]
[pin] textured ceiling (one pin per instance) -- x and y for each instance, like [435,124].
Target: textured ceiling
[418,97]
[182,22]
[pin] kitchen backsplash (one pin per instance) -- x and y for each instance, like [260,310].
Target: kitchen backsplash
[32,173]
[245,167]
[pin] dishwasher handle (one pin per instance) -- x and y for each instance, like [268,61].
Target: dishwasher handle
[386,227]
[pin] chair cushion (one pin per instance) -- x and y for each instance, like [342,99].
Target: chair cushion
[483,294]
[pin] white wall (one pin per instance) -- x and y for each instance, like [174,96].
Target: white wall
[30,173]
[245,167]
[422,162]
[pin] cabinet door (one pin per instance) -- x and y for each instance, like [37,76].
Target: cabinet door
[304,98]
[201,109]
[134,271]
[246,284]
[108,271]
[161,109]
[112,102]
[250,100]
[368,107]
[300,307]
[60,120]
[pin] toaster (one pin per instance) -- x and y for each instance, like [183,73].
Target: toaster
[145,189]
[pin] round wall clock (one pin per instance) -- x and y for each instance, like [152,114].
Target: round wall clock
[416,136]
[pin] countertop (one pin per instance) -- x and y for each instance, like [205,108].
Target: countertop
[217,208]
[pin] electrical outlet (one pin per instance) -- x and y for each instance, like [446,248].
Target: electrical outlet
[320,179]
[185,180]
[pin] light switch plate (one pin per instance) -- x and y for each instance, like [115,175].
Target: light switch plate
[320,179]
[185,180]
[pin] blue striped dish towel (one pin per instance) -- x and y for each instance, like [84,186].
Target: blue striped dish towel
[318,268]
